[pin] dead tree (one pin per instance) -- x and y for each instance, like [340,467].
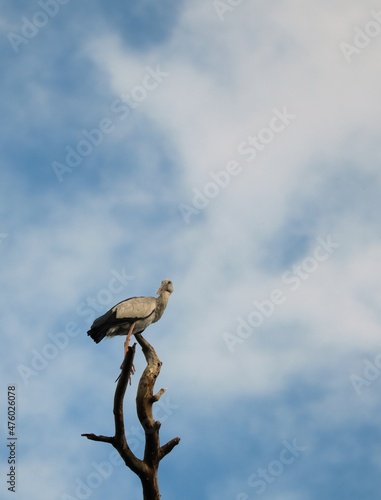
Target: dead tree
[147,468]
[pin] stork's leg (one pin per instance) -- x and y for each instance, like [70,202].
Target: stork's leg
[126,346]
[127,341]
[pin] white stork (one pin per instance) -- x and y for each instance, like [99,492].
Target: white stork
[131,315]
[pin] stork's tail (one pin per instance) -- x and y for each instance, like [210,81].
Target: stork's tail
[97,334]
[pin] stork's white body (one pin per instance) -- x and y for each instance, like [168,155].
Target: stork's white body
[138,311]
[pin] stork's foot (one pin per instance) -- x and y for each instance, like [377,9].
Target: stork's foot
[132,368]
[122,365]
[132,372]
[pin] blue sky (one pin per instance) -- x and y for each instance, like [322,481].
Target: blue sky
[232,147]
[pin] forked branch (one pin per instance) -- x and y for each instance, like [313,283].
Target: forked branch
[147,468]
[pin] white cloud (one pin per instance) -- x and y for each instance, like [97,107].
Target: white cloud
[224,81]
[205,108]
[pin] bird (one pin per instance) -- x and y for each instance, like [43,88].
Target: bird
[131,316]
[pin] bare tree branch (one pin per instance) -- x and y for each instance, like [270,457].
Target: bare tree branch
[104,439]
[147,468]
[158,395]
[168,447]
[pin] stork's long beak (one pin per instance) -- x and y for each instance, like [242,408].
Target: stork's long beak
[164,287]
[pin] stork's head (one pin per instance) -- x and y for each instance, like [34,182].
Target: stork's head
[166,286]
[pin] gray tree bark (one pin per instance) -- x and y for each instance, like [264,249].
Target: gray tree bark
[147,468]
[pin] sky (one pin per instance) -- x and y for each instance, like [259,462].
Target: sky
[232,147]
